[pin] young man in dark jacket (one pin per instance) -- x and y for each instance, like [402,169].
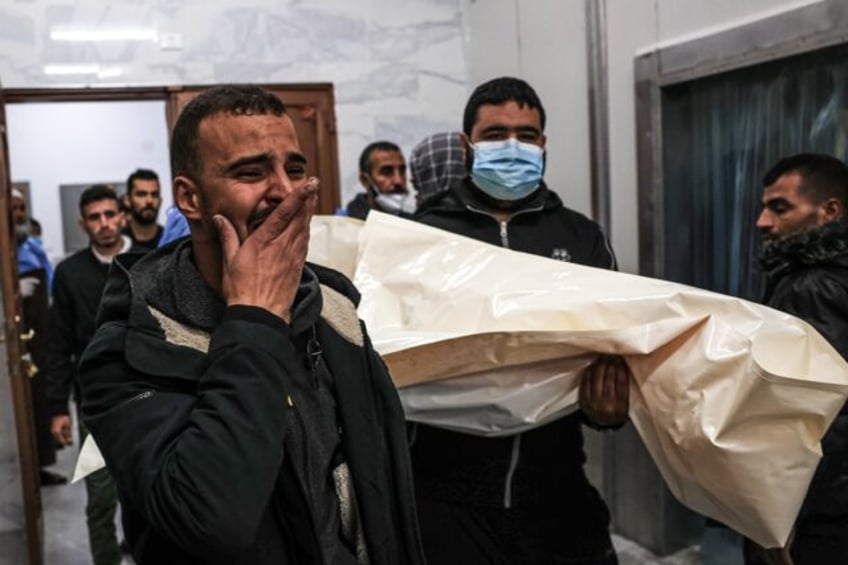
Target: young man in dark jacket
[231,388]
[525,498]
[805,258]
[77,286]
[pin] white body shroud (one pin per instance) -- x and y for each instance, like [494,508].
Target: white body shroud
[730,397]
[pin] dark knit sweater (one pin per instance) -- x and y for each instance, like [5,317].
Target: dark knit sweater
[77,286]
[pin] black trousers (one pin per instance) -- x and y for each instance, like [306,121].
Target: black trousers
[811,545]
[467,535]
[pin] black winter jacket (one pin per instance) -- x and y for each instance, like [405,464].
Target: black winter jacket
[547,463]
[192,422]
[358,207]
[807,276]
[541,225]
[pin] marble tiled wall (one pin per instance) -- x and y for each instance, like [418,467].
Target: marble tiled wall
[400,67]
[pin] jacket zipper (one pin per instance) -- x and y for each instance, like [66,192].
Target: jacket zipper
[513,463]
[505,223]
[314,354]
[306,498]
[140,396]
[516,440]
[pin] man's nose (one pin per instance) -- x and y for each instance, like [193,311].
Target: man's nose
[399,178]
[279,186]
[764,221]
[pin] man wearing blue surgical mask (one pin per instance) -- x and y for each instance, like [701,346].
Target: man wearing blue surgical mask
[523,498]
[382,173]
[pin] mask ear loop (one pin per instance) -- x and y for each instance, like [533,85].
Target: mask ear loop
[375,192]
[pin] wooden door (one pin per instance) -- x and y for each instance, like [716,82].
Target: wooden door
[17,367]
[312,109]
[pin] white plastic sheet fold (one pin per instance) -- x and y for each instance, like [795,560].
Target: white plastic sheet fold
[334,242]
[731,398]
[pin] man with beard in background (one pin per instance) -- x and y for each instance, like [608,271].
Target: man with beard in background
[35,273]
[142,200]
[382,173]
[805,260]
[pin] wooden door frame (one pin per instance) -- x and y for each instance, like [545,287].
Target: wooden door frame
[325,114]
[20,395]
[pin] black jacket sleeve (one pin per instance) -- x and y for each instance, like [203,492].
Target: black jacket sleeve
[820,299]
[602,254]
[61,345]
[198,461]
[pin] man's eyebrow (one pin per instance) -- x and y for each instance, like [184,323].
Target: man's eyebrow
[295,157]
[263,158]
[248,160]
[497,128]
[774,201]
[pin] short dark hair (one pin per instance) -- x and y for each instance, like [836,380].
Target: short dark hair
[140,174]
[822,176]
[500,91]
[97,192]
[365,156]
[233,99]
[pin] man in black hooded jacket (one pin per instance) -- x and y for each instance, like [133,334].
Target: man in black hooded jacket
[805,259]
[231,388]
[524,498]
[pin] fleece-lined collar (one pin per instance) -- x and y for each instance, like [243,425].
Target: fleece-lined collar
[825,245]
[467,196]
[168,281]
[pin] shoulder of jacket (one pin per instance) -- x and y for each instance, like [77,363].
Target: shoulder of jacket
[818,279]
[109,338]
[578,219]
[338,311]
[339,302]
[75,258]
[446,201]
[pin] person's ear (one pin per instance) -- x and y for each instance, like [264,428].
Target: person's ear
[831,210]
[467,151]
[82,226]
[543,141]
[187,197]
[363,180]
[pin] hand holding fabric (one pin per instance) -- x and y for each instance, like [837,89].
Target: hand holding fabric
[605,391]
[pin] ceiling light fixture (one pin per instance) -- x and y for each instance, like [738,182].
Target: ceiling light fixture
[79,34]
[71,69]
[101,72]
